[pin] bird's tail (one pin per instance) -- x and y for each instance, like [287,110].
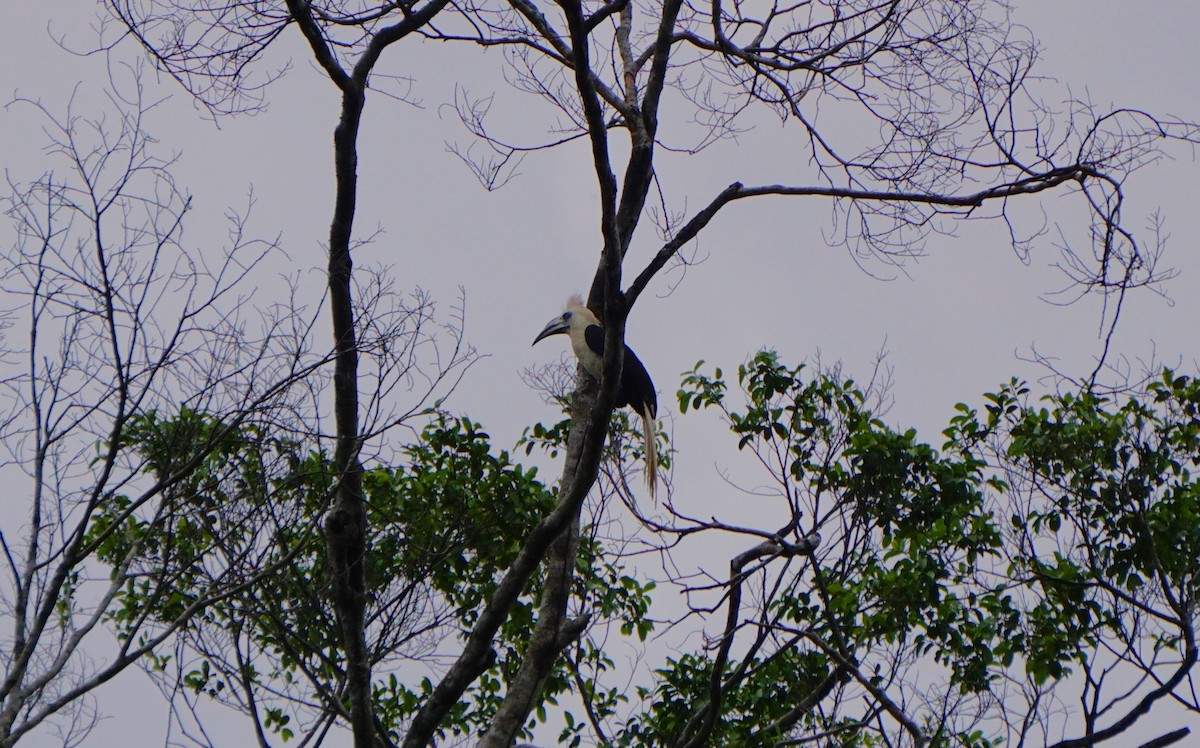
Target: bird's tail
[650,434]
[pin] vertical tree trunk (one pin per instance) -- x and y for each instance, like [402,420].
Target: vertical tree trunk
[346,522]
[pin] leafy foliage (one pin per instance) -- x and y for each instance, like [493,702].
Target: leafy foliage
[906,594]
[1104,510]
[446,522]
[1037,540]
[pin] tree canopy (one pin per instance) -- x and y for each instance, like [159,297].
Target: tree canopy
[274,504]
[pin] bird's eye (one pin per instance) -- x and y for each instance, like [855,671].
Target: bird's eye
[566,315]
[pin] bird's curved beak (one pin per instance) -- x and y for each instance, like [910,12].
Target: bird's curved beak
[554,327]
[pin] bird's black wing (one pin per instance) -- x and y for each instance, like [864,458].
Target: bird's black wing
[593,335]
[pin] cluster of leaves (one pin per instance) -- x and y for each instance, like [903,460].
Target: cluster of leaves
[446,523]
[1105,519]
[1037,537]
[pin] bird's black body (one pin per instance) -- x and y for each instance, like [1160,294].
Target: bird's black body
[636,388]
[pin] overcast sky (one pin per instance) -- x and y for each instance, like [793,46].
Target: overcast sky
[955,325]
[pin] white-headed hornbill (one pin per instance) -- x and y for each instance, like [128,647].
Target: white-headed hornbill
[635,389]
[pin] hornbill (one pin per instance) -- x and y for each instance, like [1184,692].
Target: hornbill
[635,388]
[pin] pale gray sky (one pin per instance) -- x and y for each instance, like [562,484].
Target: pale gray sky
[954,327]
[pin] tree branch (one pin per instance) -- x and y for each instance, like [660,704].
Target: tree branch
[584,447]
[737,191]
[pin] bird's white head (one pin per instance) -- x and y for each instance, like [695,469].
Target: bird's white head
[576,316]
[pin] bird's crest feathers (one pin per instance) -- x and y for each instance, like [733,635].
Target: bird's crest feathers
[575,305]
